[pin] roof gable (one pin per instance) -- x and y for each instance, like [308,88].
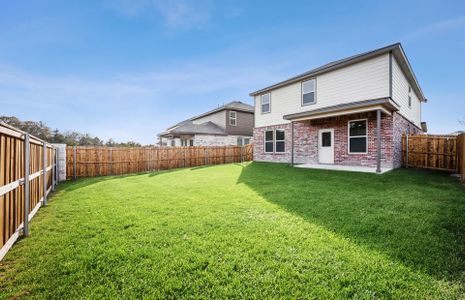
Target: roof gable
[395,49]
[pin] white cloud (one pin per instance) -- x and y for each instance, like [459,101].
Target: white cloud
[440,27]
[176,14]
[130,106]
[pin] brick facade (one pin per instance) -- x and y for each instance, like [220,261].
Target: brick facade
[217,140]
[306,141]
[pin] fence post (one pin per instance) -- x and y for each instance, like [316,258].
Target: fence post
[406,151]
[242,154]
[111,161]
[44,161]
[184,157]
[53,168]
[26,184]
[74,163]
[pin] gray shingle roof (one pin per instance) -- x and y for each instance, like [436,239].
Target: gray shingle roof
[235,105]
[190,128]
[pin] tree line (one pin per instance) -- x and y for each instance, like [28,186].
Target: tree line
[70,138]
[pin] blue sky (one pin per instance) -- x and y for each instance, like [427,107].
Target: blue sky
[129,68]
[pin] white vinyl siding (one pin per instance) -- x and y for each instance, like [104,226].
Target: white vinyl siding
[400,93]
[362,81]
[219,118]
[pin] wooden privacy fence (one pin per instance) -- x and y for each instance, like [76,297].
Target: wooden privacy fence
[437,152]
[27,175]
[104,161]
[461,155]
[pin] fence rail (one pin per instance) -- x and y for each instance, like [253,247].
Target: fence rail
[104,161]
[437,152]
[27,175]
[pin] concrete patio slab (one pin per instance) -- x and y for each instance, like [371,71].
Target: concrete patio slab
[343,168]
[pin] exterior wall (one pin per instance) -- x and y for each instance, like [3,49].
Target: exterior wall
[306,141]
[400,86]
[215,140]
[219,118]
[401,126]
[177,142]
[362,81]
[61,162]
[245,123]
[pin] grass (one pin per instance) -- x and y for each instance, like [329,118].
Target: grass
[245,231]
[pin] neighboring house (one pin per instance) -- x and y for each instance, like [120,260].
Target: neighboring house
[230,124]
[330,115]
[458,132]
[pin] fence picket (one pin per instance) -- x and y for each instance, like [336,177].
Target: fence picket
[84,162]
[437,152]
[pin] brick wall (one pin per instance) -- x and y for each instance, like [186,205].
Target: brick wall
[401,126]
[215,140]
[306,141]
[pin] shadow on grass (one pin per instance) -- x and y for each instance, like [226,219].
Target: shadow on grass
[416,217]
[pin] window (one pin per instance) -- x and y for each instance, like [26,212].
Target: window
[326,139]
[358,136]
[242,141]
[308,92]
[232,118]
[172,143]
[185,143]
[279,140]
[409,96]
[266,103]
[269,141]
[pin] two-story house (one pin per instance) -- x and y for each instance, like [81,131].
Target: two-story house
[350,112]
[230,124]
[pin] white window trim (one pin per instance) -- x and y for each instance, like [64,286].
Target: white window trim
[357,136]
[269,104]
[302,92]
[275,141]
[231,118]
[264,142]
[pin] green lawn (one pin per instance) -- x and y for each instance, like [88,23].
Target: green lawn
[246,231]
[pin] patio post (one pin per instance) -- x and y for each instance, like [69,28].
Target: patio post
[378,141]
[292,143]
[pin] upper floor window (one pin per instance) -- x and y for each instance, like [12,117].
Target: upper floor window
[308,92]
[232,118]
[265,105]
[409,96]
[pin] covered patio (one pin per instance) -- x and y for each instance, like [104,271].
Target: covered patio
[355,137]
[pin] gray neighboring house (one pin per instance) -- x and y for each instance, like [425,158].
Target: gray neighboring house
[230,124]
